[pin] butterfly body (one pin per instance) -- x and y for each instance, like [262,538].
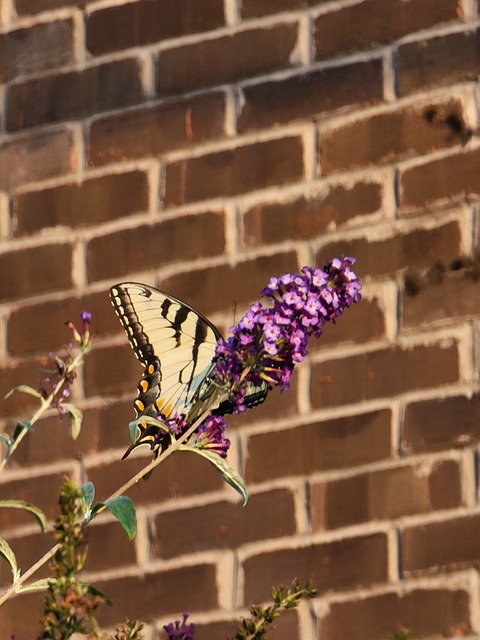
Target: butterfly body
[176,345]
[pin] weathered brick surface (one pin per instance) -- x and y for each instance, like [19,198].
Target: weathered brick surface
[254,8]
[94,201]
[227,59]
[26,7]
[236,171]
[75,94]
[36,49]
[311,94]
[335,32]
[427,612]
[153,22]
[151,131]
[389,136]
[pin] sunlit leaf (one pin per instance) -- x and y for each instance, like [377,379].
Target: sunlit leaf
[124,510]
[27,506]
[230,476]
[88,491]
[76,417]
[7,553]
[24,388]
[38,585]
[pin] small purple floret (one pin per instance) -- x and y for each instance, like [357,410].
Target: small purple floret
[180,630]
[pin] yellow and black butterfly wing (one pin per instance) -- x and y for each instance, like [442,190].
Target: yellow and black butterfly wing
[164,329]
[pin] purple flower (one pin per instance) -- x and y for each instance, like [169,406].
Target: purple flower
[211,435]
[179,630]
[269,341]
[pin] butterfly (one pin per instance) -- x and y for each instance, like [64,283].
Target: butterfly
[176,345]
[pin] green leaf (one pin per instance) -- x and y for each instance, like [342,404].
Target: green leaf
[24,388]
[20,427]
[76,417]
[88,491]
[27,506]
[95,591]
[132,426]
[7,553]
[38,585]
[124,510]
[230,476]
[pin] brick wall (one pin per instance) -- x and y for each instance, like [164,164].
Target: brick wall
[202,147]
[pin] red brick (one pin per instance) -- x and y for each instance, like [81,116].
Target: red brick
[152,595]
[23,336]
[20,615]
[188,237]
[25,159]
[361,323]
[254,8]
[335,32]
[226,59]
[386,495]
[369,375]
[36,49]
[27,549]
[93,201]
[448,58]
[339,565]
[223,287]
[182,474]
[110,29]
[310,217]
[74,95]
[332,444]
[21,372]
[446,179]
[107,542]
[35,270]
[388,137]
[441,303]
[419,247]
[112,370]
[311,94]
[155,130]
[286,627]
[441,423]
[439,546]
[41,491]
[32,6]
[235,171]
[424,612]
[225,525]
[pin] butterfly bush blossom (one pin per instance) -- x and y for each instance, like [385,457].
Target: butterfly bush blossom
[180,630]
[270,340]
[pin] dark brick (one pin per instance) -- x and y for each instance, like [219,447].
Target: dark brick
[225,525]
[74,95]
[93,201]
[308,218]
[35,270]
[335,31]
[332,444]
[23,336]
[32,6]
[254,8]
[37,48]
[182,474]
[419,248]
[367,376]
[155,130]
[388,137]
[138,597]
[25,159]
[425,612]
[41,491]
[311,94]
[448,58]
[440,303]
[224,288]
[286,627]
[445,179]
[235,171]
[226,59]
[112,370]
[339,565]
[185,238]
[21,372]
[107,543]
[110,29]
[441,423]
[20,615]
[439,546]
[386,495]
[27,549]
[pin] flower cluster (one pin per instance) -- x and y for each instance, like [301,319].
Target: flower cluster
[211,435]
[180,630]
[270,340]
